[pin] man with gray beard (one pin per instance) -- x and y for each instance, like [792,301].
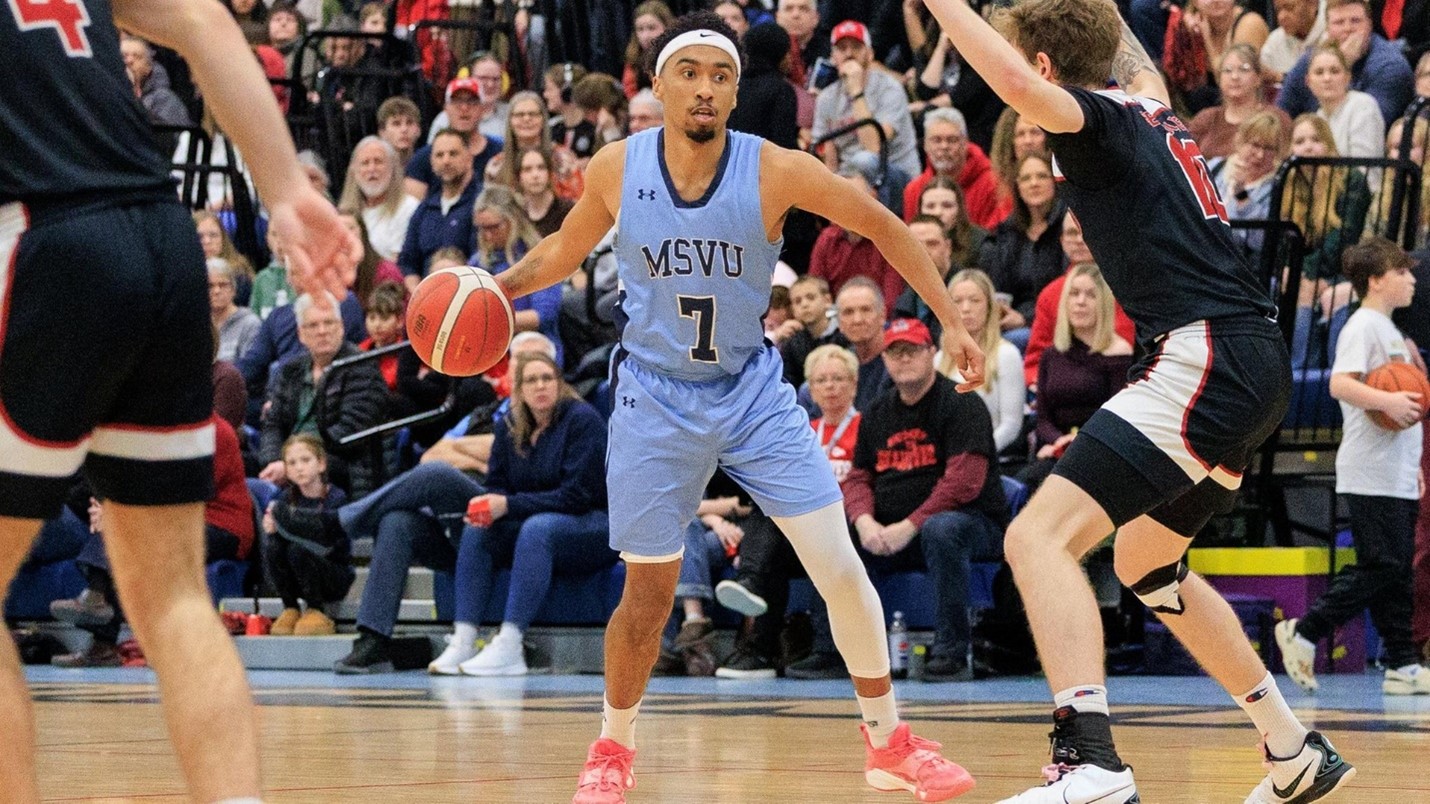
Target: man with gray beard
[373,190]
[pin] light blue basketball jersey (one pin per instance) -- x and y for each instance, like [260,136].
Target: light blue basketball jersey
[696,274]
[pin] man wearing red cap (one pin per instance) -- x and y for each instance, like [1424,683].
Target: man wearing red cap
[865,90]
[924,494]
[464,111]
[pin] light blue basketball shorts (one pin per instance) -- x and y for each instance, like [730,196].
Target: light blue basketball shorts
[667,436]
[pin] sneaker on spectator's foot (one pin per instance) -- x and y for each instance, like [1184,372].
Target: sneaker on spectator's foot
[946,666]
[1081,784]
[818,665]
[914,764]
[90,608]
[449,663]
[503,656]
[369,655]
[98,654]
[735,596]
[283,625]
[745,663]
[1400,682]
[1297,656]
[607,775]
[1314,773]
[314,622]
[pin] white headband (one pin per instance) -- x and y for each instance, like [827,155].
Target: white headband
[703,36]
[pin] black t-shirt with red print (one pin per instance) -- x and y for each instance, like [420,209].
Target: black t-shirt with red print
[906,450]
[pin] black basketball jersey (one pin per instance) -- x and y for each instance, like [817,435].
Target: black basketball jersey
[1151,214]
[69,122]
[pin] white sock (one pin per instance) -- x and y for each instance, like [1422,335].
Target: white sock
[1305,643]
[620,724]
[509,631]
[1083,698]
[464,635]
[1283,733]
[881,717]
[1409,669]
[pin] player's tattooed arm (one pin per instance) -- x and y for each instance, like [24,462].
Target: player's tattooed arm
[559,255]
[519,280]
[1135,71]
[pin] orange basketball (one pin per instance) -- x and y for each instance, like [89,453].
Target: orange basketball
[1397,377]
[460,321]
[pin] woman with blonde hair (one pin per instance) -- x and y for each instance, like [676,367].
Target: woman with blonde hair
[1003,391]
[1329,204]
[1087,364]
[1244,179]
[504,235]
[1354,116]
[1395,148]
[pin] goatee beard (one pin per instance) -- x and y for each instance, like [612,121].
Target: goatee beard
[701,135]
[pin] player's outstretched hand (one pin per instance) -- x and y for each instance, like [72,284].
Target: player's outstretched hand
[322,254]
[966,355]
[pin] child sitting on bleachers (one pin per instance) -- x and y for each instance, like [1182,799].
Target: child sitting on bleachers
[302,557]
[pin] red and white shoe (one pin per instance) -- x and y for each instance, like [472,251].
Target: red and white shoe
[607,775]
[914,764]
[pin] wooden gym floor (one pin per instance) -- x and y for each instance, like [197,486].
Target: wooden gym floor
[407,737]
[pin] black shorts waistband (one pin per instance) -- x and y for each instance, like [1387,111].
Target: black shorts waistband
[42,211]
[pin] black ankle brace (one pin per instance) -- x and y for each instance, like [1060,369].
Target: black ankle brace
[1083,738]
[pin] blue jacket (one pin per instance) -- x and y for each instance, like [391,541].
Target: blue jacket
[564,472]
[430,230]
[1383,73]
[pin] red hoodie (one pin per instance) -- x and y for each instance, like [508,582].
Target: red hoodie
[986,207]
[231,508]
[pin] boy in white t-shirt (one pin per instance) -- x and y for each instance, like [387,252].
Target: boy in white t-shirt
[1378,475]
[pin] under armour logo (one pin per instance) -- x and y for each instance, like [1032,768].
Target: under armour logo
[641,194]
[628,402]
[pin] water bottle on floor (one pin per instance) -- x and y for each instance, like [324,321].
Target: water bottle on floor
[898,647]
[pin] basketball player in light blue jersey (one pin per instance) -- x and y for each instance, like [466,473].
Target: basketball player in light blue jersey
[699,211]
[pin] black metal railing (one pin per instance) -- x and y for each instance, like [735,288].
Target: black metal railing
[374,432]
[196,169]
[883,170]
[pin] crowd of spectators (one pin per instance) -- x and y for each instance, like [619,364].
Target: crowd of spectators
[482,156]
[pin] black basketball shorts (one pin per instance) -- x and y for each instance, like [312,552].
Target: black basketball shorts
[106,355]
[1174,442]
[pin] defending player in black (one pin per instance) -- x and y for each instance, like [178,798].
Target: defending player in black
[1167,452]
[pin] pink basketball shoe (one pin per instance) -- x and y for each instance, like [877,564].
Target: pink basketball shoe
[914,764]
[607,775]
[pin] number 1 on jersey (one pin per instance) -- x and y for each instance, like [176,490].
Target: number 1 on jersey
[1194,165]
[702,309]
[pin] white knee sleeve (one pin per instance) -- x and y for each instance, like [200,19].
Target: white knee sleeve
[821,539]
